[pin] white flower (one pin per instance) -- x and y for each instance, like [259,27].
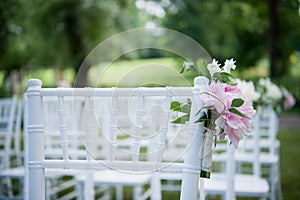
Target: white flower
[229,64]
[248,89]
[272,93]
[213,67]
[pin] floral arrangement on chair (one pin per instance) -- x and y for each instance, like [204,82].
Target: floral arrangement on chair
[278,97]
[227,111]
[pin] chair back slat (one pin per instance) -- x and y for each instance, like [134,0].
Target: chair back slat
[112,137]
[138,126]
[256,148]
[63,128]
[88,128]
[161,142]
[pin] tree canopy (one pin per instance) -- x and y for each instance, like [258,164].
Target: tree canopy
[59,34]
[239,29]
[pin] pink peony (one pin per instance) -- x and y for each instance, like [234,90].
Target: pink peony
[214,96]
[233,125]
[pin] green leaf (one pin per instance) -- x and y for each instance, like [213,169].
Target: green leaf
[175,106]
[265,90]
[235,111]
[186,108]
[237,102]
[204,108]
[181,120]
[204,118]
[225,78]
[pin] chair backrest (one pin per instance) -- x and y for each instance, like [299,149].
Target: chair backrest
[268,127]
[101,121]
[8,109]
[250,150]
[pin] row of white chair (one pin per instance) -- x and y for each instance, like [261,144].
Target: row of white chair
[13,157]
[10,149]
[123,132]
[255,161]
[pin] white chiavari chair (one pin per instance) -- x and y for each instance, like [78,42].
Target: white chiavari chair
[228,181]
[266,128]
[139,161]
[12,177]
[8,108]
[58,128]
[270,147]
[10,148]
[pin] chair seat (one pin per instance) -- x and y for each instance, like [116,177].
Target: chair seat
[244,185]
[117,177]
[264,158]
[13,172]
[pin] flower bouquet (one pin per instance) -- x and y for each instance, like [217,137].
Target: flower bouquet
[273,96]
[226,110]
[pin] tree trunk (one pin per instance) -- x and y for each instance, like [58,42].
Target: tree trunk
[275,54]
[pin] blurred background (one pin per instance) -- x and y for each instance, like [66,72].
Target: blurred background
[50,39]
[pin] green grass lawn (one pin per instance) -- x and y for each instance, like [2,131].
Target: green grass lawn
[134,73]
[290,164]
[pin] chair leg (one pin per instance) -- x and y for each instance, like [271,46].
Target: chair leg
[137,191]
[9,186]
[156,187]
[119,192]
[274,180]
[79,189]
[89,188]
[278,185]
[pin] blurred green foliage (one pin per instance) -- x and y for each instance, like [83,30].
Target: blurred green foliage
[36,34]
[238,29]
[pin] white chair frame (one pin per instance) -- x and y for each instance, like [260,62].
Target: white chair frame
[10,152]
[37,163]
[230,182]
